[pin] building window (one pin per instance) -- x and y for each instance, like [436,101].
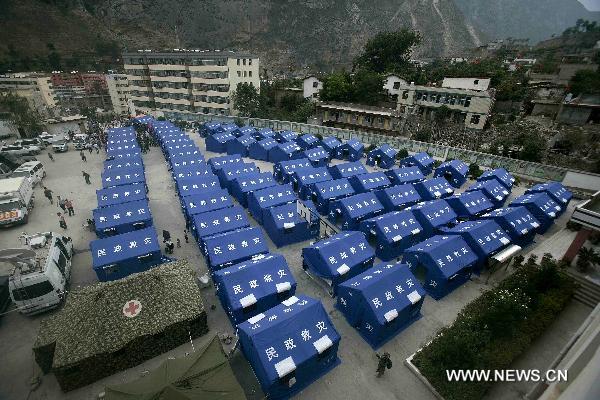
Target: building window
[250,74]
[245,74]
[239,74]
[396,85]
[475,119]
[476,81]
[238,61]
[405,94]
[315,84]
[467,102]
[249,61]
[244,61]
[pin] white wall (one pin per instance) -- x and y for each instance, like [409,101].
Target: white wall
[389,84]
[478,84]
[582,180]
[62,128]
[309,90]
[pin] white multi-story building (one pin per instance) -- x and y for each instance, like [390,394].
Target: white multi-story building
[311,86]
[188,81]
[36,88]
[118,89]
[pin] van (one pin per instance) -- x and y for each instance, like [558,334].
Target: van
[34,170]
[16,201]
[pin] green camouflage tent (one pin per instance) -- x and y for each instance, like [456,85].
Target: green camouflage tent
[111,326]
[204,374]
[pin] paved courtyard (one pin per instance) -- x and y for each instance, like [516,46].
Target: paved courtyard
[354,378]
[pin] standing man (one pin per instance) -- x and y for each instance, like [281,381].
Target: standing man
[83,158]
[48,194]
[384,362]
[86,176]
[69,205]
[62,203]
[61,221]
[50,157]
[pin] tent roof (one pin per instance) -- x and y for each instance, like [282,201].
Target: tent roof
[492,188]
[235,245]
[222,137]
[132,162]
[246,140]
[370,181]
[435,186]
[457,166]
[421,159]
[122,149]
[121,247]
[260,278]
[447,253]
[122,171]
[437,212]
[293,329]
[395,226]
[384,150]
[308,138]
[285,214]
[197,184]
[316,154]
[192,152]
[484,234]
[207,201]
[182,160]
[267,143]
[289,166]
[204,373]
[331,142]
[274,195]
[247,130]
[120,194]
[402,194]
[354,144]
[518,218]
[360,204]
[385,287]
[555,190]
[541,201]
[473,202]
[407,174]
[349,248]
[219,162]
[191,171]
[288,147]
[257,181]
[499,174]
[223,220]
[126,154]
[288,135]
[348,169]
[308,176]
[123,177]
[233,171]
[173,149]
[335,188]
[123,213]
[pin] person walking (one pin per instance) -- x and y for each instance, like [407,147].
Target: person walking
[86,176]
[48,194]
[50,157]
[61,203]
[69,205]
[83,158]
[61,221]
[185,236]
[384,362]
[178,243]
[90,148]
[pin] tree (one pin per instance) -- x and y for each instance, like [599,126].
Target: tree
[402,153]
[21,113]
[388,51]
[367,87]
[587,258]
[337,87]
[474,171]
[246,100]
[534,147]
[585,82]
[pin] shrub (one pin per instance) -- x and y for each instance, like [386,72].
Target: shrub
[494,329]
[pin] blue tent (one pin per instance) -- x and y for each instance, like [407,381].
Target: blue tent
[399,176]
[216,163]
[233,247]
[178,149]
[517,222]
[260,150]
[284,151]
[433,215]
[122,141]
[422,160]
[493,189]
[354,209]
[499,174]
[286,136]
[205,202]
[240,187]
[303,180]
[317,156]
[248,130]
[369,182]
[122,218]
[381,302]
[339,257]
[348,169]
[216,222]
[191,171]
[543,208]
[123,130]
[392,233]
[383,156]
[240,145]
[455,172]
[122,149]
[283,170]
[120,194]
[118,256]
[307,141]
[253,287]
[326,192]
[284,225]
[351,150]
[190,153]
[445,262]
[217,143]
[132,162]
[264,133]
[209,128]
[330,143]
[290,346]
[484,237]
[556,191]
[124,155]
[172,144]
[398,197]
[232,128]
[233,171]
[469,205]
[436,188]
[259,201]
[123,177]
[186,161]
[197,185]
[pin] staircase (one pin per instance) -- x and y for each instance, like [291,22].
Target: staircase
[588,292]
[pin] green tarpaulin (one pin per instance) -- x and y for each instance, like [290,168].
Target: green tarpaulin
[204,375]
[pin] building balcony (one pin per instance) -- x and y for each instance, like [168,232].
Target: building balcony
[170,90]
[139,98]
[168,79]
[210,93]
[208,68]
[210,81]
[167,67]
[202,104]
[172,101]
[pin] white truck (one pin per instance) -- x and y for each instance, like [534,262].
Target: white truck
[16,201]
[39,272]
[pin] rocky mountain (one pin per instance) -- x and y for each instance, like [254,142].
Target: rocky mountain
[287,34]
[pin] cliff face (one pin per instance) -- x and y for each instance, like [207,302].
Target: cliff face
[325,34]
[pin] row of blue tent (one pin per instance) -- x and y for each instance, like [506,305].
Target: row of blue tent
[127,242]
[289,341]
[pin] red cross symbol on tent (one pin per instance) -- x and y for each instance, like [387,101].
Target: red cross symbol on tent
[132,308]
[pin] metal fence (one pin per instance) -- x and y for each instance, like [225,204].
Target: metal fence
[527,169]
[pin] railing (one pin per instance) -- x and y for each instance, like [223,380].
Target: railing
[527,169]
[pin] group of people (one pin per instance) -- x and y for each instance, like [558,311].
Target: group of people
[66,205]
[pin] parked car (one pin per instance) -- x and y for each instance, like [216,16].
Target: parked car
[31,142]
[47,138]
[34,170]
[18,150]
[60,146]
[81,145]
